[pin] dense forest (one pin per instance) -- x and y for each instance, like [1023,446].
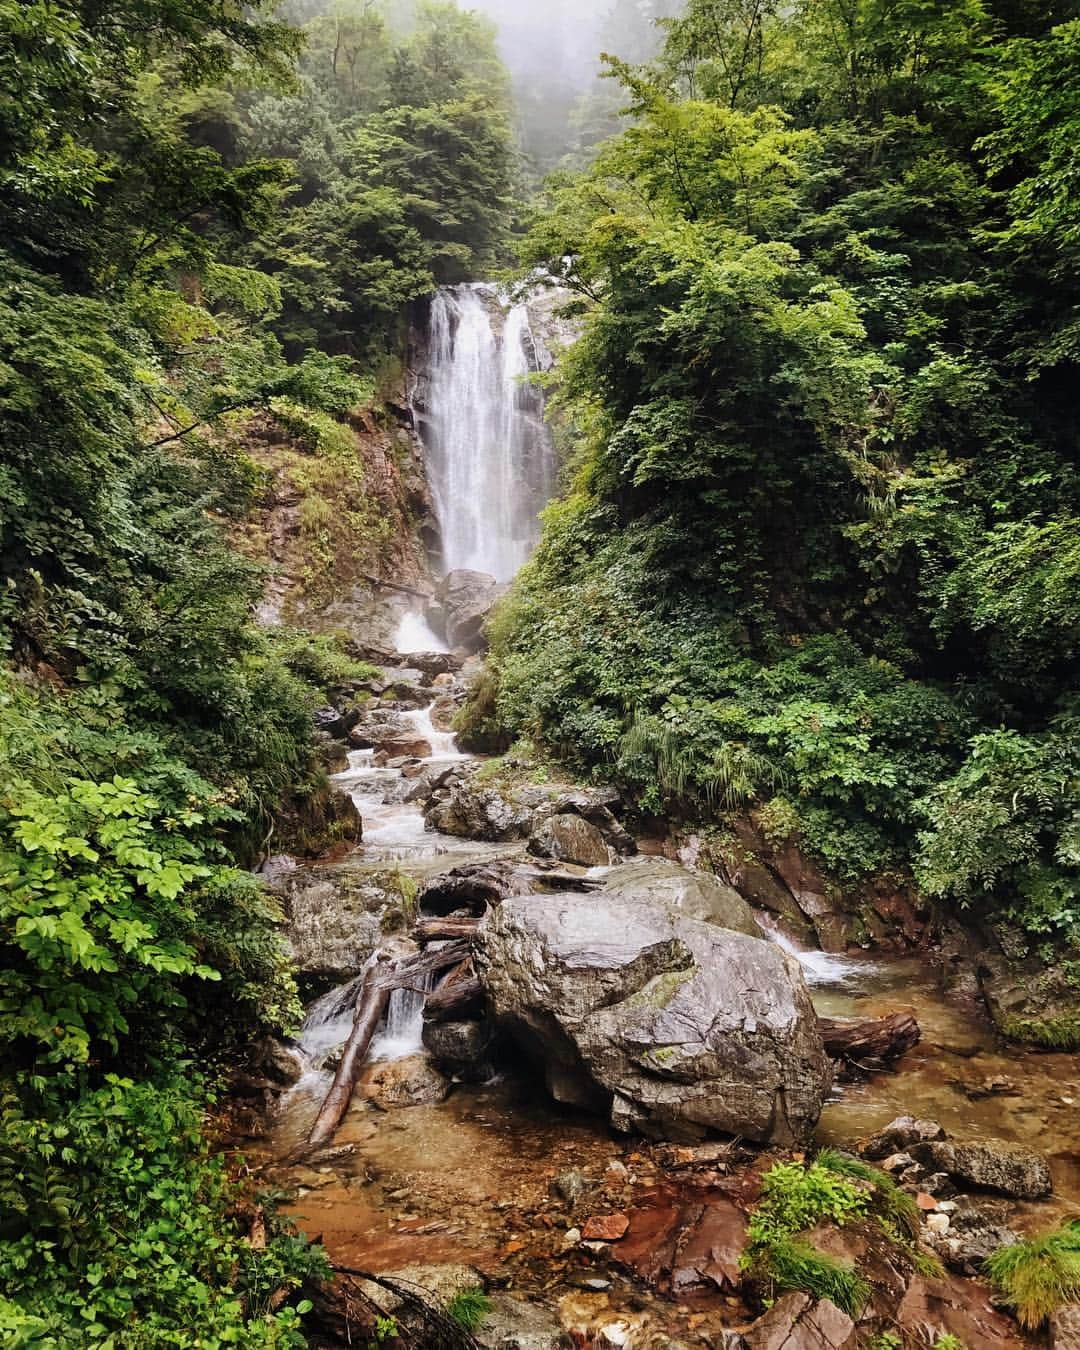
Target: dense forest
[819,550]
[208,212]
[817,555]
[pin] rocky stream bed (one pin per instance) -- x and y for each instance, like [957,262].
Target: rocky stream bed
[585,1135]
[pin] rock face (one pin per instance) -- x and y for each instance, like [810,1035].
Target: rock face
[989,1164]
[512,1324]
[471,811]
[467,600]
[672,1026]
[337,917]
[571,839]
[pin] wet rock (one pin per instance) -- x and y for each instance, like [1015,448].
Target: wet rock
[467,600]
[569,838]
[413,1081]
[337,917]
[335,723]
[443,712]
[959,1307]
[378,727]
[605,1227]
[470,888]
[471,811]
[513,1324]
[697,895]
[441,665]
[411,746]
[671,1026]
[1065,1328]
[990,1164]
[571,1187]
[899,1135]
[797,1322]
[460,1049]
[976,1228]
[440,1281]
[281,1064]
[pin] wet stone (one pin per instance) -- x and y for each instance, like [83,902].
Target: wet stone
[1065,1328]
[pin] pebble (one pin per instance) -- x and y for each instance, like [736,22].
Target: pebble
[938,1223]
[571,1237]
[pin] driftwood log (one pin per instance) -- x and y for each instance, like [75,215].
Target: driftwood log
[438,929]
[459,997]
[371,1002]
[869,1044]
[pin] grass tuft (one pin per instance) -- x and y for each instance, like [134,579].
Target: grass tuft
[469,1308]
[1039,1276]
[794,1265]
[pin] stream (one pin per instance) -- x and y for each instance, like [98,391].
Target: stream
[467,1180]
[468,1177]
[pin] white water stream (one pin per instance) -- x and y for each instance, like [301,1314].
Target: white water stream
[490,459]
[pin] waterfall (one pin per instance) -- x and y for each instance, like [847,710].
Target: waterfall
[490,458]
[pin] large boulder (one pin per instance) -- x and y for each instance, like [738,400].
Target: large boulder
[695,895]
[569,838]
[470,810]
[380,726]
[412,1081]
[337,916]
[467,600]
[670,1025]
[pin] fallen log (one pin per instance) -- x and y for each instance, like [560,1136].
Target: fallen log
[371,1001]
[869,1044]
[460,996]
[437,930]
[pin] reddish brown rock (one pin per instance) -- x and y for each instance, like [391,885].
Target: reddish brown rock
[961,1307]
[796,1322]
[605,1227]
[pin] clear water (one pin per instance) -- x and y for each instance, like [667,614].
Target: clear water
[490,459]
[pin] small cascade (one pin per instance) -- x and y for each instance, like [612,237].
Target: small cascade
[402,1033]
[415,634]
[820,969]
[443,743]
[490,457]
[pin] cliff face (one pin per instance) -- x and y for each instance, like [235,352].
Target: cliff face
[343,518]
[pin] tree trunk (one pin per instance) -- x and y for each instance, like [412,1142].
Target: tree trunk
[459,997]
[370,1008]
[436,930]
[870,1044]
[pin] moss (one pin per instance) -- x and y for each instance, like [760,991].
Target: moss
[1061,1032]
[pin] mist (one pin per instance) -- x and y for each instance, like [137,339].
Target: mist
[552,49]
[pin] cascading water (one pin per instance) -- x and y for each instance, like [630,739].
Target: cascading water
[490,459]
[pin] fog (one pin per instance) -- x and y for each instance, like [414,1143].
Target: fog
[552,48]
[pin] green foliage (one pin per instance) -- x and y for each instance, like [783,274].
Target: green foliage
[1039,1275]
[469,1308]
[819,541]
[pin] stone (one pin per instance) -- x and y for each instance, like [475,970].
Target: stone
[670,1026]
[470,811]
[959,1307]
[282,1064]
[335,723]
[797,1322]
[337,916]
[571,1187]
[513,1324]
[571,839]
[977,1227]
[897,1162]
[937,1224]
[467,600]
[899,1135]
[605,1228]
[460,1049]
[990,1164]
[412,1081]
[379,726]
[1065,1328]
[697,895]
